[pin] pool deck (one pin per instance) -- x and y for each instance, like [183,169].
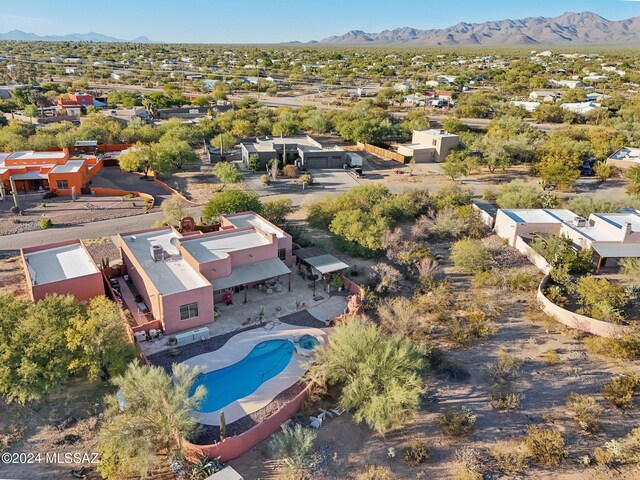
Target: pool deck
[237,348]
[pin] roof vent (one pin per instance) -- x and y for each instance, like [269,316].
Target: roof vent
[579,222]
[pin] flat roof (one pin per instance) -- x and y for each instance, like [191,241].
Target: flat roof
[253,220]
[326,263]
[171,275]
[59,263]
[71,166]
[250,273]
[31,155]
[86,143]
[627,154]
[436,132]
[417,146]
[215,247]
[617,250]
[539,215]
[619,219]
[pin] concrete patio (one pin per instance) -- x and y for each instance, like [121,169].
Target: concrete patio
[272,306]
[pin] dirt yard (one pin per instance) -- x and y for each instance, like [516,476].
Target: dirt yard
[64,424]
[12,278]
[344,448]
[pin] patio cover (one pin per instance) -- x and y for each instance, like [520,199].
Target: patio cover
[326,263]
[29,176]
[254,272]
[617,250]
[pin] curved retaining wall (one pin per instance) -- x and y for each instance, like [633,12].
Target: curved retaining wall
[233,447]
[577,321]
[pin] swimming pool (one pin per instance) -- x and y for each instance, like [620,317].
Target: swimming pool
[308,342]
[264,361]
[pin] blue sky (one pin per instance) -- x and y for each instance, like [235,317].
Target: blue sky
[267,21]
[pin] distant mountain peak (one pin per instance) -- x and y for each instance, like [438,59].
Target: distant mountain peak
[71,37]
[568,28]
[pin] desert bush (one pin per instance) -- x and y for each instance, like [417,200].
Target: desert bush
[474,326]
[602,299]
[292,447]
[504,397]
[457,421]
[408,253]
[586,411]
[375,473]
[451,197]
[400,316]
[290,171]
[625,347]
[545,444]
[518,194]
[45,223]
[470,256]
[265,179]
[505,368]
[227,173]
[306,178]
[621,390]
[585,206]
[559,252]
[277,210]
[518,280]
[511,457]
[630,266]
[551,357]
[470,464]
[385,277]
[603,171]
[416,453]
[555,294]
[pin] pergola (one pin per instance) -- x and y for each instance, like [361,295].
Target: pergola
[244,275]
[320,262]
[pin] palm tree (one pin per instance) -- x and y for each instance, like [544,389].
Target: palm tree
[146,422]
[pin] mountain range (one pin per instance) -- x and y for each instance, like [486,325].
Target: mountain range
[72,37]
[567,29]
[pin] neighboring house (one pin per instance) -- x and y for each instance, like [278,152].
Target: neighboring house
[610,236]
[414,99]
[210,84]
[62,268]
[548,96]
[121,74]
[528,106]
[37,171]
[76,102]
[126,115]
[624,158]
[73,71]
[581,108]
[402,87]
[567,83]
[595,78]
[429,145]
[181,278]
[311,154]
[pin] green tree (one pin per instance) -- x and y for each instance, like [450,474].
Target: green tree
[31,110]
[454,125]
[147,430]
[231,201]
[228,173]
[633,175]
[224,141]
[457,164]
[174,154]
[559,166]
[98,341]
[379,375]
[143,158]
[277,210]
[518,194]
[174,209]
[359,232]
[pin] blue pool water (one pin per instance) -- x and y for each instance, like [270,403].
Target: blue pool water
[308,342]
[265,361]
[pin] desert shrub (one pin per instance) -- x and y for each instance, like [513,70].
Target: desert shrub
[306,178]
[457,421]
[489,195]
[265,179]
[400,316]
[408,253]
[603,456]
[451,197]
[516,279]
[585,206]
[504,397]
[416,453]
[545,444]
[470,464]
[559,252]
[385,277]
[603,171]
[511,457]
[470,256]
[486,279]
[474,326]
[555,294]
[505,368]
[375,473]
[620,451]
[626,347]
[551,357]
[292,447]
[602,299]
[45,223]
[621,390]
[518,194]
[290,171]
[227,173]
[586,411]
[630,266]
[277,210]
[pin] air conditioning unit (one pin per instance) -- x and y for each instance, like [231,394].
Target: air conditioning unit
[140,337]
[579,222]
[157,253]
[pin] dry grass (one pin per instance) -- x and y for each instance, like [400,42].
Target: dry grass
[12,278]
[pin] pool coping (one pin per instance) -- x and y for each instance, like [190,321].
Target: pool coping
[237,348]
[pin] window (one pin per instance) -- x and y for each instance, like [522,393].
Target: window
[62,185]
[190,310]
[434,142]
[282,254]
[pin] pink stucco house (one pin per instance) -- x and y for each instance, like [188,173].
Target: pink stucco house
[181,277]
[62,268]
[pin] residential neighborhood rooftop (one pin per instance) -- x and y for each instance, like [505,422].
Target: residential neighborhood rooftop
[253,220]
[59,263]
[208,248]
[171,275]
[537,215]
[628,154]
[32,155]
[71,166]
